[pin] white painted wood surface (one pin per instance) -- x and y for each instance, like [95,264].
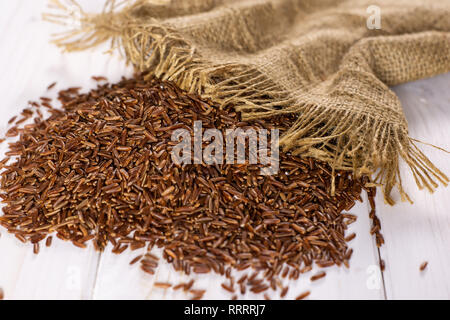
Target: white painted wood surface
[28,64]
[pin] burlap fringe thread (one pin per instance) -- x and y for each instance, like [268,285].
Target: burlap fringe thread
[337,139]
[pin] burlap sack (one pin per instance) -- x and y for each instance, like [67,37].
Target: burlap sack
[315,59]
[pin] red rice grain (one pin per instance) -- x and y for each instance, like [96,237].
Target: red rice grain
[303,295]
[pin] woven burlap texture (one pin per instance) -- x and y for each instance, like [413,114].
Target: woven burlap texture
[316,59]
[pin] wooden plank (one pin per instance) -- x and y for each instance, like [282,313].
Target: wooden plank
[68,272]
[420,232]
[59,272]
[29,63]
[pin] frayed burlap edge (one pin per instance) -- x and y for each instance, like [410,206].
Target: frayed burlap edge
[339,140]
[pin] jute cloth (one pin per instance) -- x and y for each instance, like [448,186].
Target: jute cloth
[315,59]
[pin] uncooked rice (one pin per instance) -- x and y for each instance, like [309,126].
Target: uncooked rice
[99,170]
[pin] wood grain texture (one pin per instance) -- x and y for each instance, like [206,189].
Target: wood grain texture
[413,233]
[421,232]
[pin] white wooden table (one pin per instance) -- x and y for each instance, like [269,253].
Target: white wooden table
[413,233]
